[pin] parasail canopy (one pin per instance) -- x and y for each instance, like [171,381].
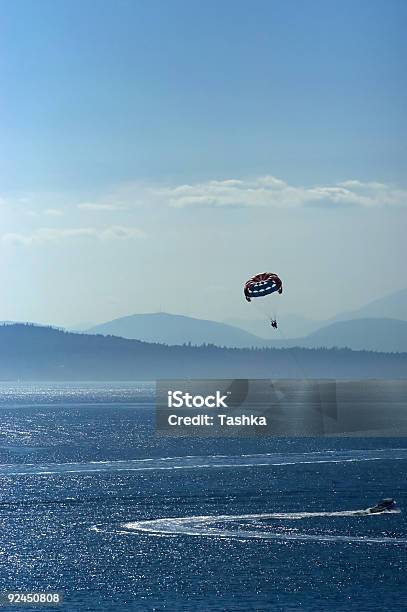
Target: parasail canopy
[262,284]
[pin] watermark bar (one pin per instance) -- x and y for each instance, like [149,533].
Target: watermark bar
[295,408]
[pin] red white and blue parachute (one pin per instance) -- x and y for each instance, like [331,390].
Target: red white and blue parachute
[261,285]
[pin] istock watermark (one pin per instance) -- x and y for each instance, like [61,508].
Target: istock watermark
[178,399]
[265,407]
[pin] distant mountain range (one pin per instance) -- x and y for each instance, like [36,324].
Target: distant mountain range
[393,306]
[387,335]
[379,326]
[30,352]
[177,329]
[294,326]
[373,334]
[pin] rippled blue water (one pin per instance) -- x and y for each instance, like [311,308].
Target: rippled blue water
[95,505]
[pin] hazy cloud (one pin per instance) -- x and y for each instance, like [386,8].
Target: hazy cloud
[55,235]
[269,191]
[264,191]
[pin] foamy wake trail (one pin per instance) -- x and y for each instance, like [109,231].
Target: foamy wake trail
[204,462]
[229,526]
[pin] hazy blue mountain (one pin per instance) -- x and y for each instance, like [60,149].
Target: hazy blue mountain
[375,334]
[29,352]
[386,335]
[392,306]
[292,325]
[177,329]
[300,329]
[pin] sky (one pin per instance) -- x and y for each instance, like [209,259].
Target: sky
[154,155]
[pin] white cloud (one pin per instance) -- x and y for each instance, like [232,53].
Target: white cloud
[50,212]
[265,191]
[55,235]
[123,197]
[269,191]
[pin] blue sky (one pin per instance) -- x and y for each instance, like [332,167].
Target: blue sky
[122,123]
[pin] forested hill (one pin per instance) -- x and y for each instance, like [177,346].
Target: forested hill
[29,352]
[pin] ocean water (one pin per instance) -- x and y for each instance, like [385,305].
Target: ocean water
[97,506]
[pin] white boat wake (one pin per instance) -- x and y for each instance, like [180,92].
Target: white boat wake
[204,462]
[253,526]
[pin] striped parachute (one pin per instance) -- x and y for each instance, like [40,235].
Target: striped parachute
[261,285]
